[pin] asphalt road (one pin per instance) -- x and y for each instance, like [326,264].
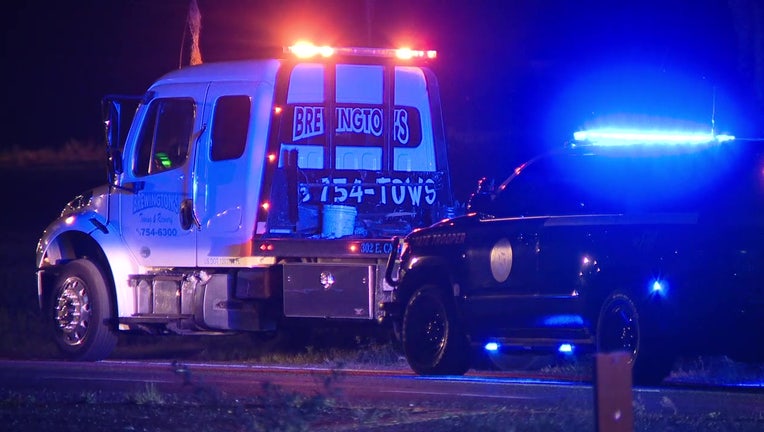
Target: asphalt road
[384,386]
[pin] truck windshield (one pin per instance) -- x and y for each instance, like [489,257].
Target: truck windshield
[366,133]
[362,139]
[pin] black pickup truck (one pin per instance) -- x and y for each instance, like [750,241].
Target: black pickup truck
[652,249]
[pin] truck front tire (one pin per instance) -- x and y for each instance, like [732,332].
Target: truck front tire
[433,339]
[81,310]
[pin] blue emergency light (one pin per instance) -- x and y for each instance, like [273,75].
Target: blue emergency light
[658,287]
[625,137]
[491,347]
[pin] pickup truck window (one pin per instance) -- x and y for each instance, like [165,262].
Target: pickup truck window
[165,136]
[230,124]
[567,184]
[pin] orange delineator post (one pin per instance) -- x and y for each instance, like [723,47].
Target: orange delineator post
[613,408]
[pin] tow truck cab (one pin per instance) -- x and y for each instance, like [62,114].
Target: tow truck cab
[244,193]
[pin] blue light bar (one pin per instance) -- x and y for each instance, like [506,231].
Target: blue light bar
[566,348]
[621,137]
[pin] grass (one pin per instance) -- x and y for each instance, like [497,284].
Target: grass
[316,346]
[72,151]
[271,409]
[150,396]
[23,333]
[282,410]
[717,370]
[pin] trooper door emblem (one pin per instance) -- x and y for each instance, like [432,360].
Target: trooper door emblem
[501,260]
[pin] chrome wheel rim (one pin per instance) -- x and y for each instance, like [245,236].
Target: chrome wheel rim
[73,311]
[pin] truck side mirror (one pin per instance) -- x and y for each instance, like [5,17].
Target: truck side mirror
[111,127]
[114,162]
[118,113]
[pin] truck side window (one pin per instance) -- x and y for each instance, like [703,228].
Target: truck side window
[165,136]
[230,125]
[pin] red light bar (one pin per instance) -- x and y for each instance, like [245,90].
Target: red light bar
[308,50]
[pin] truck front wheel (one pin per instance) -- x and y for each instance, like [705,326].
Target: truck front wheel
[81,311]
[433,340]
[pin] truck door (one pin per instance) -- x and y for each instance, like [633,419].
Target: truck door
[230,162]
[502,262]
[157,178]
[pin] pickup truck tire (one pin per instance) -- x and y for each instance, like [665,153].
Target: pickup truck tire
[433,339]
[82,313]
[619,329]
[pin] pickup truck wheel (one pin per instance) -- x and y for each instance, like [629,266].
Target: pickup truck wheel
[81,312]
[619,329]
[433,340]
[618,326]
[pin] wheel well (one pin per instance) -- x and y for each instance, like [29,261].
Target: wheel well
[420,276]
[71,246]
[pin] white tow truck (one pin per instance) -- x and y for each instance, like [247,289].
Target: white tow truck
[246,194]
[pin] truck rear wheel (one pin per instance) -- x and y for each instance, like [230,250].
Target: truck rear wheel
[433,340]
[619,329]
[81,311]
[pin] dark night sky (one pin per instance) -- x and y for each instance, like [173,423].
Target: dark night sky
[510,70]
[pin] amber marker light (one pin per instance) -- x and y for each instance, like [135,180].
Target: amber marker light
[266,205]
[307,50]
[406,53]
[277,109]
[271,158]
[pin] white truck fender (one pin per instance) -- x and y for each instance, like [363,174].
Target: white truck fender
[87,222]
